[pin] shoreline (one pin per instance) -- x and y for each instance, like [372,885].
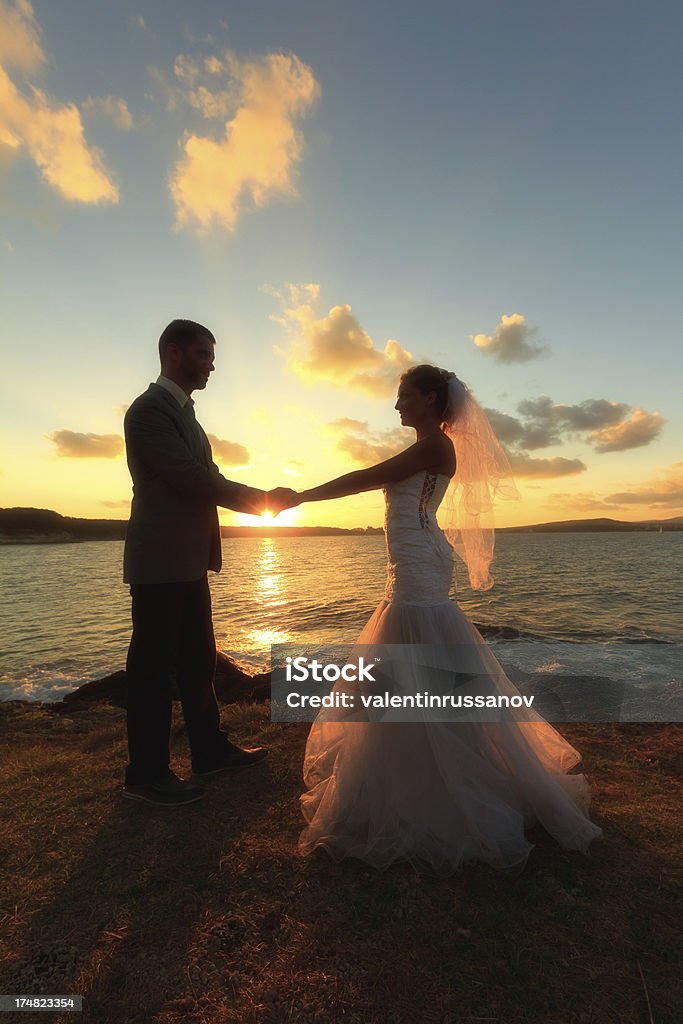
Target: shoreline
[561,698]
[33,526]
[254,533]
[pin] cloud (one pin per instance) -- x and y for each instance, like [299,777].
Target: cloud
[254,158]
[51,133]
[345,423]
[663,490]
[607,424]
[640,429]
[229,453]
[186,69]
[113,108]
[582,501]
[212,102]
[529,435]
[592,414]
[336,349]
[53,137]
[604,424]
[121,503]
[214,66]
[20,45]
[511,341]
[167,92]
[71,445]
[526,466]
[355,439]
[508,429]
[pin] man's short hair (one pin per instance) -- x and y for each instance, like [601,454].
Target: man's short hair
[182,333]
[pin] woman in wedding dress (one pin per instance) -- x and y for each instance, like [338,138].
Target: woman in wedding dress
[438,793]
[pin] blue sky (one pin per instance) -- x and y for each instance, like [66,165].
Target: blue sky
[439,172]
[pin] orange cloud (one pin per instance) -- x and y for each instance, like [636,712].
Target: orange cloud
[113,108]
[49,132]
[121,503]
[256,157]
[663,490]
[511,342]
[364,446]
[229,453]
[210,101]
[640,429]
[72,445]
[524,465]
[582,501]
[20,45]
[336,349]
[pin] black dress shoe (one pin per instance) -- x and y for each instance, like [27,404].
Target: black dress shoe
[170,791]
[235,759]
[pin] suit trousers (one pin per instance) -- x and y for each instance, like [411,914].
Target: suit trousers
[172,639]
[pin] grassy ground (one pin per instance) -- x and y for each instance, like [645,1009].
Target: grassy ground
[206,914]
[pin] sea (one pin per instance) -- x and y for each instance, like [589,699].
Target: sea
[584,606]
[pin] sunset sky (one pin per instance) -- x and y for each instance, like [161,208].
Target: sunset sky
[338,190]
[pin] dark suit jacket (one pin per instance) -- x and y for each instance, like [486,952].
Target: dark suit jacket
[173,534]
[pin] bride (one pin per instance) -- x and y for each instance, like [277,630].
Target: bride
[440,793]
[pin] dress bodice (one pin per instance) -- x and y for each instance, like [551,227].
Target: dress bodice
[420,559]
[411,504]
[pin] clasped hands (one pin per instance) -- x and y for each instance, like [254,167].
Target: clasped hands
[279,499]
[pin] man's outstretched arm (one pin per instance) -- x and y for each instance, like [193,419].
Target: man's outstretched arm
[153,439]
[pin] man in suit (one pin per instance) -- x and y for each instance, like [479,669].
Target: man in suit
[173,538]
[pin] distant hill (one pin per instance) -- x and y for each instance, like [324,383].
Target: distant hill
[43,526]
[596,526]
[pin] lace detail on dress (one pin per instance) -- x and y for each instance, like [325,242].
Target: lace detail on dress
[420,559]
[427,492]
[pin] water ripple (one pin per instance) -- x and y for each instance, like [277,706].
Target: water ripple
[66,613]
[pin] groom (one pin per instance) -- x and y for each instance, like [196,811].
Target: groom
[173,538]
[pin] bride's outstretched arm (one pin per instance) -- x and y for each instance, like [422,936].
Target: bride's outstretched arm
[421,455]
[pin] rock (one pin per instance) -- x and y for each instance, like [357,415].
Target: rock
[110,689]
[231,683]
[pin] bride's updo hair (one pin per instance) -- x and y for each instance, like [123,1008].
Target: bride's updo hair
[427,378]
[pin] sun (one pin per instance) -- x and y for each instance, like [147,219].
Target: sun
[286,518]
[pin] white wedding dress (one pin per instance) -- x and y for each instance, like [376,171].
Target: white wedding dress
[438,793]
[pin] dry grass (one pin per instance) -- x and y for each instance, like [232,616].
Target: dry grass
[206,914]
